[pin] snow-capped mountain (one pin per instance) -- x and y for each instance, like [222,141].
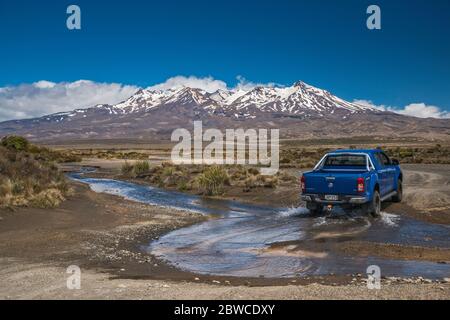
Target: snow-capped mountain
[300,108]
[299,99]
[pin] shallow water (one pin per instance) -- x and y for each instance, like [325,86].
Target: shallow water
[253,241]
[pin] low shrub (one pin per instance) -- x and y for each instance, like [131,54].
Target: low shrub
[136,169]
[141,167]
[212,180]
[29,175]
[127,169]
[49,198]
[16,143]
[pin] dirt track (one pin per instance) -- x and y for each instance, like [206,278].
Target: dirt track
[99,233]
[37,281]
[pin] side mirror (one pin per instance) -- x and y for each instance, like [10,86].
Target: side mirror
[395,162]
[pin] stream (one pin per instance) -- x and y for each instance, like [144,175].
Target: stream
[260,241]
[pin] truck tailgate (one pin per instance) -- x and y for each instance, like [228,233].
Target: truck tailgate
[333,182]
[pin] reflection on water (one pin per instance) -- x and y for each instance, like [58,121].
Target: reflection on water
[251,240]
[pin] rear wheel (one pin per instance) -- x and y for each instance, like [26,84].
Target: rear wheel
[314,208]
[374,207]
[399,196]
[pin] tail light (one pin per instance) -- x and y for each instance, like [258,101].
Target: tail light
[360,184]
[303,184]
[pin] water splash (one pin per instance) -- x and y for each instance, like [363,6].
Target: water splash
[390,219]
[294,211]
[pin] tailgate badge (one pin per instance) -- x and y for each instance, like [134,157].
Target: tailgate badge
[330,185]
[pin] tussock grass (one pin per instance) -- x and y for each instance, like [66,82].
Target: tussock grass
[213,180]
[134,170]
[29,175]
[141,167]
[209,180]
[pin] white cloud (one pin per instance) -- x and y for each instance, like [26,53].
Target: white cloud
[45,97]
[209,84]
[368,103]
[246,85]
[420,110]
[44,84]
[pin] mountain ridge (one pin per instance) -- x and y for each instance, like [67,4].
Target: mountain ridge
[301,111]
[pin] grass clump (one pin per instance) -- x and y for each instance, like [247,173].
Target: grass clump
[136,169]
[127,169]
[213,180]
[49,198]
[141,167]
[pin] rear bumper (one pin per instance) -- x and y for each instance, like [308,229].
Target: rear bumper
[346,199]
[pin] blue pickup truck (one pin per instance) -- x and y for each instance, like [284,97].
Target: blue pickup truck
[352,179]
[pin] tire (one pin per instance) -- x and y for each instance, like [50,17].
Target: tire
[314,208]
[374,207]
[399,196]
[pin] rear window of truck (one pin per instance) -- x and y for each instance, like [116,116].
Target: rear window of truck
[345,160]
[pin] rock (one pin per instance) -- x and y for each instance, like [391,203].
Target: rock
[215,281]
[196,279]
[447,280]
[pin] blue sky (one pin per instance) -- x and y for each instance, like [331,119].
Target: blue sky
[324,43]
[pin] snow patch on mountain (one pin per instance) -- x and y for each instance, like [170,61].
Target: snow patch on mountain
[299,99]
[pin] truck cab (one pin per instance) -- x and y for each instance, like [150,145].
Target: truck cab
[352,178]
